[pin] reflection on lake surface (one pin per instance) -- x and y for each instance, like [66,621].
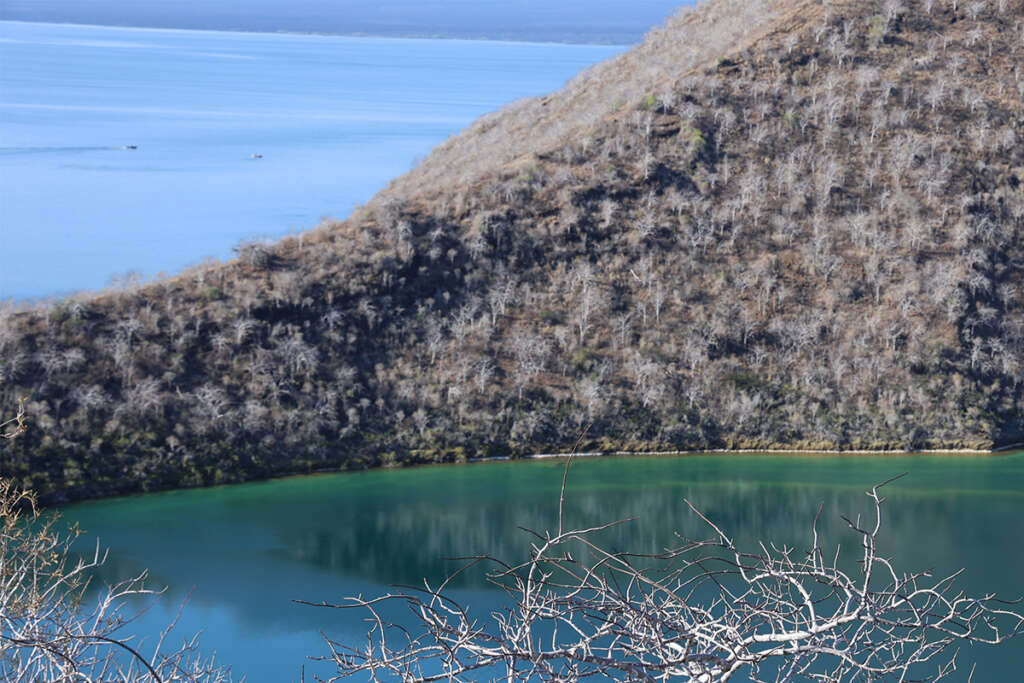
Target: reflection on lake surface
[250,550]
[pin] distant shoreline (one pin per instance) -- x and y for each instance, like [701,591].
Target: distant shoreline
[552,456]
[761,451]
[318,34]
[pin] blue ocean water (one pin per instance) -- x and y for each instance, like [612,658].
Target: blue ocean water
[580,21]
[333,119]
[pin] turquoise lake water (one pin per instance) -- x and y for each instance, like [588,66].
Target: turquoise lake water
[249,550]
[333,118]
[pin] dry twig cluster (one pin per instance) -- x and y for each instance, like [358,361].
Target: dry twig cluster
[48,632]
[16,426]
[703,612]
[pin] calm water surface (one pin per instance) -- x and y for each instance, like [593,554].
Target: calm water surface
[583,21]
[333,118]
[248,550]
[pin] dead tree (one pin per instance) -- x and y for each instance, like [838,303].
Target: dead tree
[704,612]
[15,426]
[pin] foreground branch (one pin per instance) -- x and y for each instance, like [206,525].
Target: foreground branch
[704,612]
[47,630]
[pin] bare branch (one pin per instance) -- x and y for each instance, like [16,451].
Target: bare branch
[702,612]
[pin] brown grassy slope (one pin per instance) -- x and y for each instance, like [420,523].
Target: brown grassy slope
[803,234]
[693,39]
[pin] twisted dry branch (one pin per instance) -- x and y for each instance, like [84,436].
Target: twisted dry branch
[703,612]
[49,631]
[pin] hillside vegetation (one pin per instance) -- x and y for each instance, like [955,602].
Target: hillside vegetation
[783,224]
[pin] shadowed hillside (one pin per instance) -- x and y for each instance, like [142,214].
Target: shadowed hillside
[788,224]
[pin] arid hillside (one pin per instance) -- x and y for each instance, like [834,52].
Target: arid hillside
[782,224]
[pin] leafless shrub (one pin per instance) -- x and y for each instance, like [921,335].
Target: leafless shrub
[49,633]
[702,612]
[15,426]
[143,398]
[90,397]
[254,253]
[892,9]
[531,353]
